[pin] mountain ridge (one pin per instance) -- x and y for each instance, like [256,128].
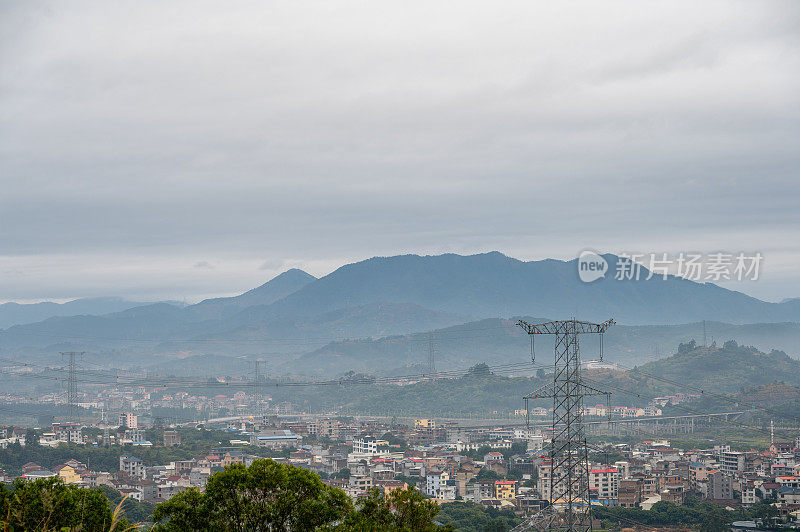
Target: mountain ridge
[443,287]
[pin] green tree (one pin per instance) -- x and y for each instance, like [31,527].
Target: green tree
[403,510]
[265,496]
[48,504]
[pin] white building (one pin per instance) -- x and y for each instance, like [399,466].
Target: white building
[368,445]
[606,482]
[435,481]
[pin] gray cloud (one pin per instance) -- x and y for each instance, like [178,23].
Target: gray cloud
[139,139]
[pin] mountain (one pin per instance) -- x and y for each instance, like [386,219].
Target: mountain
[400,295]
[277,288]
[492,284]
[17,313]
[500,341]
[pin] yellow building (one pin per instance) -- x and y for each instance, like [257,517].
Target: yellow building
[68,474]
[505,489]
[424,424]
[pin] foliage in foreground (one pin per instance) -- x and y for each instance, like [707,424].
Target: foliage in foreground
[703,514]
[471,517]
[48,505]
[272,496]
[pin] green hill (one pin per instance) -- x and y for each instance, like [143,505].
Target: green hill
[725,369]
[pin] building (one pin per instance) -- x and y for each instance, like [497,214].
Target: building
[606,483]
[732,462]
[129,419]
[172,438]
[67,432]
[624,469]
[324,428]
[360,482]
[368,445]
[720,485]
[435,481]
[698,475]
[67,473]
[629,493]
[275,439]
[505,489]
[132,466]
[424,424]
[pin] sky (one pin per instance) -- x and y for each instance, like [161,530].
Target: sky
[181,150]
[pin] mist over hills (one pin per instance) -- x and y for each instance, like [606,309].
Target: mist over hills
[500,341]
[354,314]
[19,313]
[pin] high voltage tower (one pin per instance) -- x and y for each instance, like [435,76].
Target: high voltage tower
[431,357]
[72,385]
[567,481]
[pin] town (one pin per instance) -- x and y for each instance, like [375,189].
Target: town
[504,466]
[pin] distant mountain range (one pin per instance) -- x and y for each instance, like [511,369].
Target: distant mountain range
[296,316]
[20,313]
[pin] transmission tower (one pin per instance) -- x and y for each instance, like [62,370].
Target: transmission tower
[431,357]
[567,481]
[72,385]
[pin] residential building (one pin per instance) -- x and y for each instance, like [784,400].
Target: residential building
[505,489]
[132,466]
[129,419]
[606,483]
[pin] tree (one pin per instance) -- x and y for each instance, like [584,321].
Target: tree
[403,510]
[265,496]
[49,504]
[31,438]
[343,473]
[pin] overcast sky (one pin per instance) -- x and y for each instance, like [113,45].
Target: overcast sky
[189,149]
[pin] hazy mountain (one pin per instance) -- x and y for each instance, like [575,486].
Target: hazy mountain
[500,341]
[18,313]
[492,284]
[403,294]
[371,320]
[277,288]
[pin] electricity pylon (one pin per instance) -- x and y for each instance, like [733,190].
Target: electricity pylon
[72,386]
[567,482]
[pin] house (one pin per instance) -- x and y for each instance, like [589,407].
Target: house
[505,489]
[67,473]
[132,466]
[629,493]
[360,483]
[781,447]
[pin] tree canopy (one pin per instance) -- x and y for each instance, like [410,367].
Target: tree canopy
[48,504]
[270,496]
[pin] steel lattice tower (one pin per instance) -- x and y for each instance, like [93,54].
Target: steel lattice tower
[568,454]
[72,385]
